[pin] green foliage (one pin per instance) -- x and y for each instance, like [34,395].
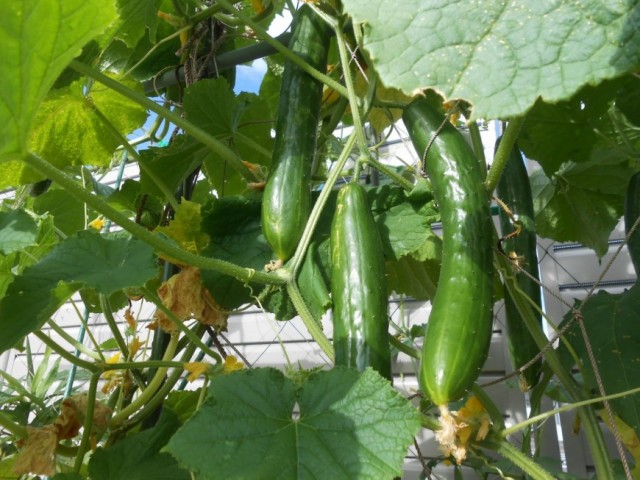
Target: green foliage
[345,425]
[18,230]
[39,39]
[106,263]
[139,456]
[500,56]
[611,323]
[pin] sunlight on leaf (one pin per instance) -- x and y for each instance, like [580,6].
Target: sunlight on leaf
[39,38]
[185,228]
[501,55]
[18,230]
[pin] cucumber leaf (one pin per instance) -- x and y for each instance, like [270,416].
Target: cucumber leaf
[39,38]
[350,425]
[611,322]
[87,259]
[500,56]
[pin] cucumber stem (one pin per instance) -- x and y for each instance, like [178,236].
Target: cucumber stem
[522,461]
[141,233]
[312,325]
[503,153]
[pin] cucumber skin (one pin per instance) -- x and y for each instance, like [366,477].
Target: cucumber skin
[514,190]
[287,195]
[458,334]
[358,285]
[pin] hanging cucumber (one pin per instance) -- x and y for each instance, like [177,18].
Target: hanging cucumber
[631,213]
[286,203]
[514,190]
[459,330]
[358,286]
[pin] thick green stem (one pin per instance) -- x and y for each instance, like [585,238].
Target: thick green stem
[392,174]
[307,318]
[590,422]
[503,153]
[141,364]
[72,341]
[522,461]
[406,349]
[152,388]
[88,422]
[264,35]
[430,423]
[565,408]
[141,233]
[223,152]
[478,148]
[70,357]
[296,261]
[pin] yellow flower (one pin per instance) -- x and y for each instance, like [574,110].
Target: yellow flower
[231,364]
[97,224]
[134,346]
[195,369]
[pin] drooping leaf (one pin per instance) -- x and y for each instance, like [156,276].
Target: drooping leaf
[138,457]
[87,259]
[573,130]
[185,228]
[611,322]
[39,38]
[581,203]
[17,231]
[350,425]
[501,55]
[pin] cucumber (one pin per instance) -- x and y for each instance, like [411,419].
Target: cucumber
[515,191]
[358,285]
[286,201]
[631,213]
[458,333]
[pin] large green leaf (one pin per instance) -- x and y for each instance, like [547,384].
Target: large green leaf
[138,456]
[67,130]
[18,230]
[39,38]
[580,203]
[350,425]
[87,259]
[500,55]
[611,322]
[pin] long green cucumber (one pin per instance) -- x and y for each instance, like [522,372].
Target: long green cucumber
[459,329]
[631,213]
[358,285]
[515,191]
[286,201]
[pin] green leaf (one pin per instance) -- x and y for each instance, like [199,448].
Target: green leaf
[138,456]
[6,468]
[611,322]
[185,228]
[234,227]
[67,130]
[350,425]
[67,212]
[571,131]
[500,56]
[417,275]
[87,259]
[136,17]
[18,230]
[39,38]
[577,204]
